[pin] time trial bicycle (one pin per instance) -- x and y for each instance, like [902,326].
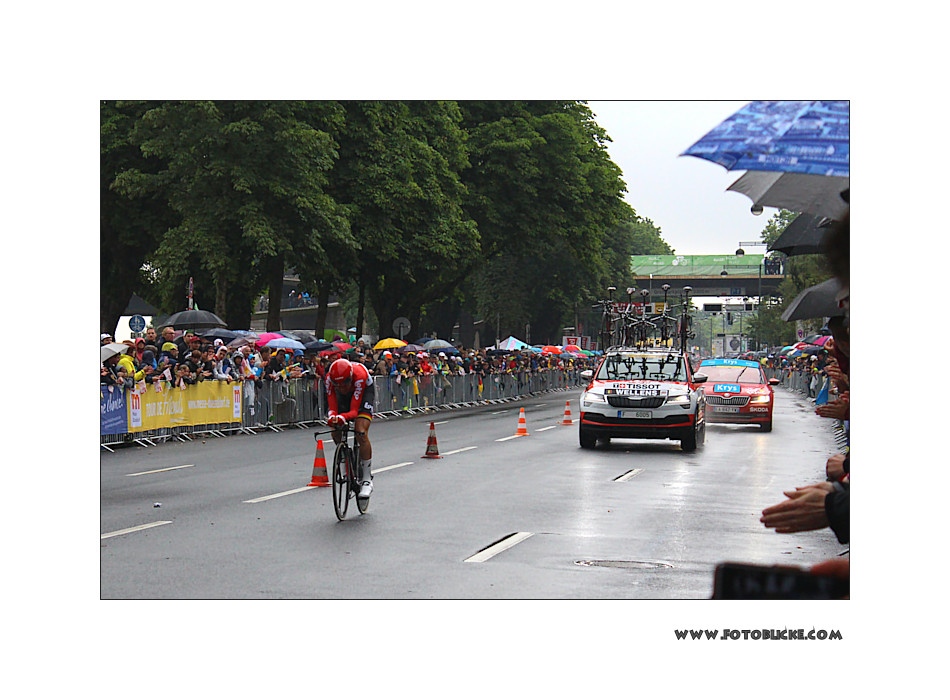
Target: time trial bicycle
[346,472]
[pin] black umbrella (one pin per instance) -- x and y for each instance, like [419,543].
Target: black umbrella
[303,336]
[319,345]
[802,236]
[194,318]
[815,302]
[217,333]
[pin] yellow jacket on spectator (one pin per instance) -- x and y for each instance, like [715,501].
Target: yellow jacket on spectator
[126,361]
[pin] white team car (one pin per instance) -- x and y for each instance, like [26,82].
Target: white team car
[643,394]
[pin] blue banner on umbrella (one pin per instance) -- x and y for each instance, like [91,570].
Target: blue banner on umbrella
[113,416]
[795,137]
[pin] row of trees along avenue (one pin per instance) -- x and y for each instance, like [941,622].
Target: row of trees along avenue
[802,271]
[443,212]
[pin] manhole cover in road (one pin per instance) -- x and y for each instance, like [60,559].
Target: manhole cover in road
[618,564]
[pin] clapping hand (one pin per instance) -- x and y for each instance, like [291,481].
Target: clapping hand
[836,409]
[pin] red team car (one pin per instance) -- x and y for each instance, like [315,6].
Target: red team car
[738,392]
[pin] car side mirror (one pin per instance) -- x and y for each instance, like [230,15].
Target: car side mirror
[587,374]
[774,380]
[699,378]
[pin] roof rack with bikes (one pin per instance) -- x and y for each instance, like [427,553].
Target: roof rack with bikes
[627,324]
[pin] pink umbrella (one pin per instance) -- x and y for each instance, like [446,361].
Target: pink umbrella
[265,338]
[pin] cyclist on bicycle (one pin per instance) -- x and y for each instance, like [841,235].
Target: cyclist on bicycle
[350,396]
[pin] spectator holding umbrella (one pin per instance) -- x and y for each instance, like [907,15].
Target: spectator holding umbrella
[108,374]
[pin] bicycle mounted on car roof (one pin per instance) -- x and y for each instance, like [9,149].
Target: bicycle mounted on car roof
[629,326]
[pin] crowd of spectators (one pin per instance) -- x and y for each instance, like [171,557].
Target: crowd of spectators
[186,358]
[826,504]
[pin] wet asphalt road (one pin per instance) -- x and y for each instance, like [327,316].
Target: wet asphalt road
[655,534]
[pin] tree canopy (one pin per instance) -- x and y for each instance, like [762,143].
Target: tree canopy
[802,271]
[508,211]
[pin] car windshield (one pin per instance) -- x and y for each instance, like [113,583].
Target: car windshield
[669,367]
[729,373]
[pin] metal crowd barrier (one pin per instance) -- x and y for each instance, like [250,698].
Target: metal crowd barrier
[797,380]
[295,403]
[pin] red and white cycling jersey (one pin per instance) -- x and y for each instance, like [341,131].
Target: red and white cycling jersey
[362,380]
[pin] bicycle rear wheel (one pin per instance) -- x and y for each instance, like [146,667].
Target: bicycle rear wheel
[341,480]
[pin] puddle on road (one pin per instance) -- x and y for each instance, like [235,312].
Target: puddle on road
[622,564]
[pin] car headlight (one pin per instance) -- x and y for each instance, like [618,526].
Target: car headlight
[681,400]
[594,396]
[762,398]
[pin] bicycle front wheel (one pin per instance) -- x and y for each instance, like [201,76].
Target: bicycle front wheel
[341,481]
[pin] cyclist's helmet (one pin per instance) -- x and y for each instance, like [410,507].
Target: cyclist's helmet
[340,371]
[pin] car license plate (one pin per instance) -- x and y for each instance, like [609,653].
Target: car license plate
[635,414]
[725,409]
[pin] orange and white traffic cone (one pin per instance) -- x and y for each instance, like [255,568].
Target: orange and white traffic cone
[432,447]
[567,415]
[319,468]
[522,425]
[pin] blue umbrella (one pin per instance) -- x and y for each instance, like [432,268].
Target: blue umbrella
[789,137]
[285,343]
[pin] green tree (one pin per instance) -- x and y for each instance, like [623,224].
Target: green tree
[802,271]
[247,179]
[398,177]
[544,193]
[131,225]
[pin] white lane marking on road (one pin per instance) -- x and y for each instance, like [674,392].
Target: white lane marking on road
[166,469]
[510,437]
[127,530]
[629,475]
[495,413]
[440,422]
[473,447]
[392,466]
[541,430]
[499,547]
[283,493]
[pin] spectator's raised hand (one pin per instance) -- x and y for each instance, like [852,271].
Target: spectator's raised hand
[804,510]
[834,467]
[836,409]
[837,376]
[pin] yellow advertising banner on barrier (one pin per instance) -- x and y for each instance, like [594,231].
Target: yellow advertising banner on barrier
[167,406]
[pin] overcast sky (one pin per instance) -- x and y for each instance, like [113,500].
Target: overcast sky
[684,196]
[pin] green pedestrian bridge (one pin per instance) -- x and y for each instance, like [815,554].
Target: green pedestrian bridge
[709,275]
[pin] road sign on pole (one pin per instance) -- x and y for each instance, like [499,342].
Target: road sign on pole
[401,326]
[137,324]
